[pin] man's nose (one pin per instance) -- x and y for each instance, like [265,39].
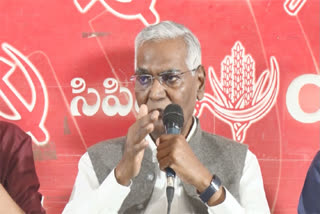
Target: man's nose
[157,90]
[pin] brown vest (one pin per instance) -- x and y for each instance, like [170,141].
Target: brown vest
[221,156]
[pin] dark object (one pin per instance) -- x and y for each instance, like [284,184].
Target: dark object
[173,119]
[173,122]
[17,170]
[214,186]
[310,195]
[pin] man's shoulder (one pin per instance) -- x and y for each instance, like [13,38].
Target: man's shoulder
[10,128]
[110,146]
[316,163]
[12,137]
[105,155]
[317,156]
[221,140]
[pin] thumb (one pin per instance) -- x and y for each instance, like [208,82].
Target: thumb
[158,141]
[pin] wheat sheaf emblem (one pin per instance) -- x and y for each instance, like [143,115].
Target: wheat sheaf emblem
[237,98]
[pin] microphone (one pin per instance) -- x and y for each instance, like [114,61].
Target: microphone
[173,122]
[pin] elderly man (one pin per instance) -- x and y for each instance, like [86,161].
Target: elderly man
[19,183]
[126,174]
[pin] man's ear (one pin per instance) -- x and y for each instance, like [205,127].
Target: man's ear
[202,81]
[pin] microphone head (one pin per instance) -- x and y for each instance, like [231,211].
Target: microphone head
[173,114]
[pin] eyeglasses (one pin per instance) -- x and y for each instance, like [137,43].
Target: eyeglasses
[172,79]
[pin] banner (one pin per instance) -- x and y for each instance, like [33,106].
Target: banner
[65,71]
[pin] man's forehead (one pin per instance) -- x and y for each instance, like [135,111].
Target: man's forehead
[141,70]
[160,56]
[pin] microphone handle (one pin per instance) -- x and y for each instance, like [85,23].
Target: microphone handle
[171,128]
[170,172]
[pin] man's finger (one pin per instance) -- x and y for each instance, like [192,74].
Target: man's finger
[140,146]
[143,132]
[162,153]
[143,111]
[147,119]
[165,162]
[158,141]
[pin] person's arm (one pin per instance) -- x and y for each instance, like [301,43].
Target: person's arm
[130,163]
[309,198]
[22,181]
[90,197]
[173,151]
[252,195]
[7,204]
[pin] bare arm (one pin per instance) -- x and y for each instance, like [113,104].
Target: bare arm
[7,205]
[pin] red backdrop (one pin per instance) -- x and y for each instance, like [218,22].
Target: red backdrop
[65,68]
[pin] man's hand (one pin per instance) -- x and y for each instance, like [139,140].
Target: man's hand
[130,164]
[175,152]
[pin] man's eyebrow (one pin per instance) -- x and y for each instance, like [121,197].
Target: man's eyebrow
[142,71]
[169,71]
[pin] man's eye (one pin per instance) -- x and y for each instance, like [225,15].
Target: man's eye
[144,79]
[170,78]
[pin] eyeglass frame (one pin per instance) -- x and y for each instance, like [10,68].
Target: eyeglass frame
[160,76]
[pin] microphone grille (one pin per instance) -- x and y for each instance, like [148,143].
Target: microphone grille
[173,114]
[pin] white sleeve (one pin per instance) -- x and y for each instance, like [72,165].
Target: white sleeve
[88,197]
[252,196]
